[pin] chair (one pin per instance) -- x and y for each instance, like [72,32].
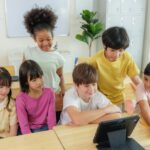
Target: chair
[10,69]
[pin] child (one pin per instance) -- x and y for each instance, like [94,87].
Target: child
[40,23]
[114,64]
[35,104]
[8,118]
[83,104]
[143,95]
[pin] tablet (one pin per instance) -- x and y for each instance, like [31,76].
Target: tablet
[128,123]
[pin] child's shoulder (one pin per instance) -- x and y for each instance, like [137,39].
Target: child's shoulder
[47,90]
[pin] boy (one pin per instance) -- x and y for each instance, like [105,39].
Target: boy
[143,95]
[83,104]
[114,64]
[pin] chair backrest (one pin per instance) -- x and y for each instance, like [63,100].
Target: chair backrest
[10,69]
[82,60]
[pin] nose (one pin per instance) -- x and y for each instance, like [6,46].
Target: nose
[45,42]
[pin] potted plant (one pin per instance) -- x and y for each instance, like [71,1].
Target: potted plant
[91,27]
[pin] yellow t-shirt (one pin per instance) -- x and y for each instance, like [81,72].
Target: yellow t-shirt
[112,74]
[7,118]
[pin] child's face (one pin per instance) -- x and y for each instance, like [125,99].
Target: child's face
[113,54]
[35,84]
[86,91]
[44,40]
[146,81]
[4,90]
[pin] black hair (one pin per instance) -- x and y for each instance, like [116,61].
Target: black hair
[84,74]
[5,80]
[29,69]
[147,69]
[116,38]
[38,19]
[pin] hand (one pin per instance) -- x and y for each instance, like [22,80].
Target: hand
[129,106]
[112,109]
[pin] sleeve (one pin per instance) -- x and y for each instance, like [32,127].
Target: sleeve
[61,61]
[13,115]
[22,116]
[70,99]
[132,68]
[101,100]
[140,93]
[51,118]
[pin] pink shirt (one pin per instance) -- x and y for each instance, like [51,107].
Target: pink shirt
[35,113]
[142,94]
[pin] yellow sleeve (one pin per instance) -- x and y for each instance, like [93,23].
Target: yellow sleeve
[132,68]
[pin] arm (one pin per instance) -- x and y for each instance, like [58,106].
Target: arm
[13,121]
[22,116]
[51,118]
[13,130]
[107,117]
[136,80]
[86,117]
[60,74]
[145,110]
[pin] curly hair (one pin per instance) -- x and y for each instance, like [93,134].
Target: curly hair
[38,19]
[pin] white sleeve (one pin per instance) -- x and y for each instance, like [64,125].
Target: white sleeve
[101,100]
[70,99]
[60,60]
[140,93]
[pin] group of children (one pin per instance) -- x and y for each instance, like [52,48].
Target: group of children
[42,84]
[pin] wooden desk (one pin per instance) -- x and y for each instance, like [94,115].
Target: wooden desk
[73,138]
[16,87]
[37,141]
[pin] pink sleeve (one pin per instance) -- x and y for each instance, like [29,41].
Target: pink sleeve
[22,116]
[140,93]
[51,120]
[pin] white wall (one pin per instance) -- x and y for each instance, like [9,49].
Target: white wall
[146,49]
[69,46]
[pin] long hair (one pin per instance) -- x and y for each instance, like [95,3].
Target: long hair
[5,80]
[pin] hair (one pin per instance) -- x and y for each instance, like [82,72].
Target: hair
[38,19]
[5,80]
[147,69]
[84,74]
[29,69]
[116,38]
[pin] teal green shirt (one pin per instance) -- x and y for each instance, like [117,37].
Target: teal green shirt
[49,62]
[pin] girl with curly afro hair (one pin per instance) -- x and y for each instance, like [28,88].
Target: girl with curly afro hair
[40,24]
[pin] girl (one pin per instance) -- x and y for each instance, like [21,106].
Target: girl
[8,119]
[40,23]
[143,95]
[35,104]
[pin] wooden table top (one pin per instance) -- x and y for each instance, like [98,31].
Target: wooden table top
[37,141]
[73,138]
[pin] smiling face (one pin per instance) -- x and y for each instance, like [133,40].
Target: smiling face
[86,91]
[113,54]
[44,39]
[4,90]
[36,84]
[146,81]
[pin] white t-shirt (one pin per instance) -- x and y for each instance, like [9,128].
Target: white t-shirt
[71,98]
[49,62]
[142,94]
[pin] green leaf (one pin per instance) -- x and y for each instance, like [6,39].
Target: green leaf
[82,38]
